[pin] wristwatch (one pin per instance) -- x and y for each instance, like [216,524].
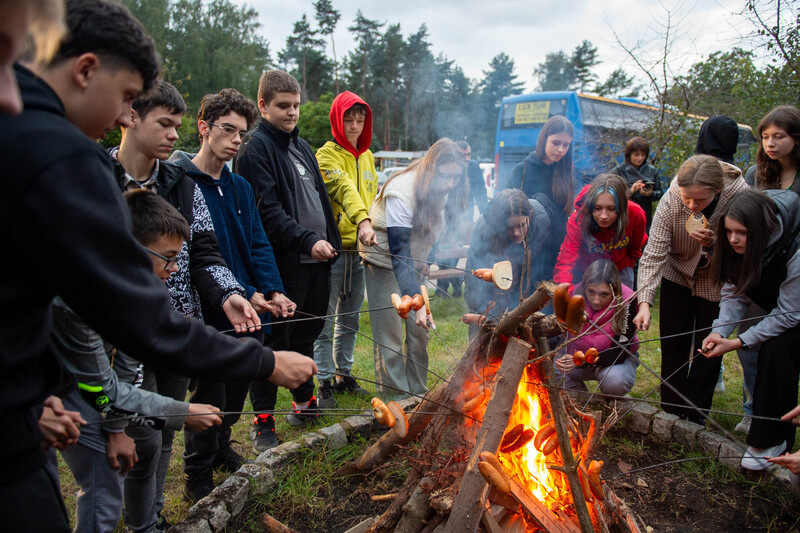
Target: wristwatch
[745,346]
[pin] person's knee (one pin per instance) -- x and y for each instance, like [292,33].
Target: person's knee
[617,383]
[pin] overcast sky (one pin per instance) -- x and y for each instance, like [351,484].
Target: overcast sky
[471,32]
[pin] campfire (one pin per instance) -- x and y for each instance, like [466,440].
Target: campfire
[499,447]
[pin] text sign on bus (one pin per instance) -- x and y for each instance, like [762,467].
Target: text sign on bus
[532,112]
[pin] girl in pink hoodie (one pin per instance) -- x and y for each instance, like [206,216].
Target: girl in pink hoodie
[610,306]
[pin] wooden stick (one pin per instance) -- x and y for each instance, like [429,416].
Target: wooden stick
[469,503]
[273,526]
[562,432]
[538,511]
[383,497]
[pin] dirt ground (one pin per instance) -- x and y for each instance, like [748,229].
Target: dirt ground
[700,495]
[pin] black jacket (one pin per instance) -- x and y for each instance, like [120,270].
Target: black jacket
[646,172]
[264,161]
[66,231]
[201,265]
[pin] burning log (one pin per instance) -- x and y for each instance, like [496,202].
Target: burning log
[468,507]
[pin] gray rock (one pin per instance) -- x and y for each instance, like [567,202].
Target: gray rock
[262,476]
[357,426]
[409,403]
[662,426]
[278,456]
[730,453]
[336,435]
[191,526]
[233,491]
[313,440]
[211,509]
[686,432]
[710,441]
[641,417]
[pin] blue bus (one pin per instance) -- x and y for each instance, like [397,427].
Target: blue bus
[602,127]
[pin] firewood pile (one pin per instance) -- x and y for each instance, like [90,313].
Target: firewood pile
[499,447]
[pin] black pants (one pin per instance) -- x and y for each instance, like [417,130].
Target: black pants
[776,390]
[32,503]
[681,313]
[310,290]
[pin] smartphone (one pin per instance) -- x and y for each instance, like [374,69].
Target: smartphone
[649,184]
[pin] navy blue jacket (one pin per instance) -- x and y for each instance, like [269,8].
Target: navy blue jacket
[242,241]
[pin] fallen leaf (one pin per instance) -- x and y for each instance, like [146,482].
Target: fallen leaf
[623,467]
[641,482]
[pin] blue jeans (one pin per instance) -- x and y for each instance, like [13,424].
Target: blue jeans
[333,349]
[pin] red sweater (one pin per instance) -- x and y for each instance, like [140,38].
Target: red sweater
[576,254]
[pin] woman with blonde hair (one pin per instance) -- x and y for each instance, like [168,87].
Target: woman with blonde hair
[677,256]
[407,216]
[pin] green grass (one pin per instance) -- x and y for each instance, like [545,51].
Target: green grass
[444,353]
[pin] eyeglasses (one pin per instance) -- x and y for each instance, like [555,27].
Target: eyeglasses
[230,131]
[169,262]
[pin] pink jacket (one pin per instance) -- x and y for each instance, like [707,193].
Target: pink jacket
[602,318]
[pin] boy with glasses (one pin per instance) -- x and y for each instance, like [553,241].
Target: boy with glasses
[222,121]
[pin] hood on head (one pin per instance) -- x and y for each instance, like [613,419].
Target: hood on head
[719,136]
[342,103]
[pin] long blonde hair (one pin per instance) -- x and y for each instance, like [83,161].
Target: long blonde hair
[428,208]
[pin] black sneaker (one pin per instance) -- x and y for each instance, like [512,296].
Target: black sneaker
[263,433]
[304,417]
[197,486]
[228,460]
[349,385]
[326,399]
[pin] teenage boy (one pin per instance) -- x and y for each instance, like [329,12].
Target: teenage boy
[202,274]
[104,452]
[348,169]
[223,120]
[62,216]
[297,216]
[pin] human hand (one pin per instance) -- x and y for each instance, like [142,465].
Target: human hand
[260,304]
[637,186]
[200,416]
[715,346]
[121,446]
[423,317]
[241,314]
[642,318]
[322,250]
[646,191]
[366,235]
[59,430]
[281,305]
[292,369]
[704,236]
[793,416]
[564,363]
[789,460]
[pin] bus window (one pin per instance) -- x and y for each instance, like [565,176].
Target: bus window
[530,114]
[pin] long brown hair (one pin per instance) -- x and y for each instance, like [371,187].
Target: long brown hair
[756,211]
[564,174]
[603,271]
[768,171]
[428,207]
[507,203]
[618,189]
[702,171]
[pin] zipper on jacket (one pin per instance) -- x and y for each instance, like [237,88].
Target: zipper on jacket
[220,190]
[358,177]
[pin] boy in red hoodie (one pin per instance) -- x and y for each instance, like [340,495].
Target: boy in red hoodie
[348,168]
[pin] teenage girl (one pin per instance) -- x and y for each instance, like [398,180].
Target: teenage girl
[778,159]
[606,297]
[407,216]
[757,261]
[547,175]
[604,225]
[679,261]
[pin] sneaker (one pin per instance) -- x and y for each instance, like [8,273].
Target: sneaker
[754,458]
[744,425]
[228,460]
[197,486]
[304,417]
[162,524]
[350,385]
[326,399]
[263,433]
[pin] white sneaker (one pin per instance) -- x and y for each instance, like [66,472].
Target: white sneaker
[754,458]
[744,425]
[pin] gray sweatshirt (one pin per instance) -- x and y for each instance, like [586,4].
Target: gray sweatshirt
[101,392]
[733,307]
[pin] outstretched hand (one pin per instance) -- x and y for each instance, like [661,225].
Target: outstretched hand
[241,314]
[292,369]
